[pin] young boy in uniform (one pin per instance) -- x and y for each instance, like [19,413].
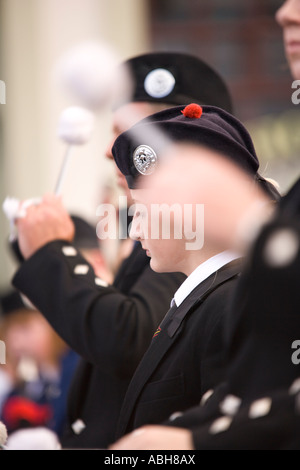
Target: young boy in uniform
[186,356]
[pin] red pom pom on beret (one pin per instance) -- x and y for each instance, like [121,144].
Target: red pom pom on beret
[192,111]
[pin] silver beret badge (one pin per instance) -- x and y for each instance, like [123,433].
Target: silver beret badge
[159,83]
[144,159]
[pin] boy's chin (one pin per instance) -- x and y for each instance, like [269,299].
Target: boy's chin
[155,266]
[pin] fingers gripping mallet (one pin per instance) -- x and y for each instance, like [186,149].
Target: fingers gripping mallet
[75,127]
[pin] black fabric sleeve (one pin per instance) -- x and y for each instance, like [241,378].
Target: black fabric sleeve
[104,326]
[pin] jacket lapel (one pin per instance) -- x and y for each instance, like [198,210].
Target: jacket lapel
[203,290]
[157,349]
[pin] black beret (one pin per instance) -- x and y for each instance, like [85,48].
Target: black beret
[290,202]
[215,129]
[176,79]
[137,151]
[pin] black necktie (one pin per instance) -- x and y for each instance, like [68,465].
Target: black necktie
[166,318]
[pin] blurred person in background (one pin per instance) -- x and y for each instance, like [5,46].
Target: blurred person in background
[39,367]
[257,408]
[110,326]
[288,17]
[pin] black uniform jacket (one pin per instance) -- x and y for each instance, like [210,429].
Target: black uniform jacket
[258,408]
[269,422]
[110,327]
[185,357]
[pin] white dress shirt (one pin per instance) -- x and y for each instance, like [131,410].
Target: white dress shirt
[202,272]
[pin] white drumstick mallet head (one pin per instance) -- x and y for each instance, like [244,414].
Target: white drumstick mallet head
[3,436]
[92,73]
[75,127]
[33,439]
